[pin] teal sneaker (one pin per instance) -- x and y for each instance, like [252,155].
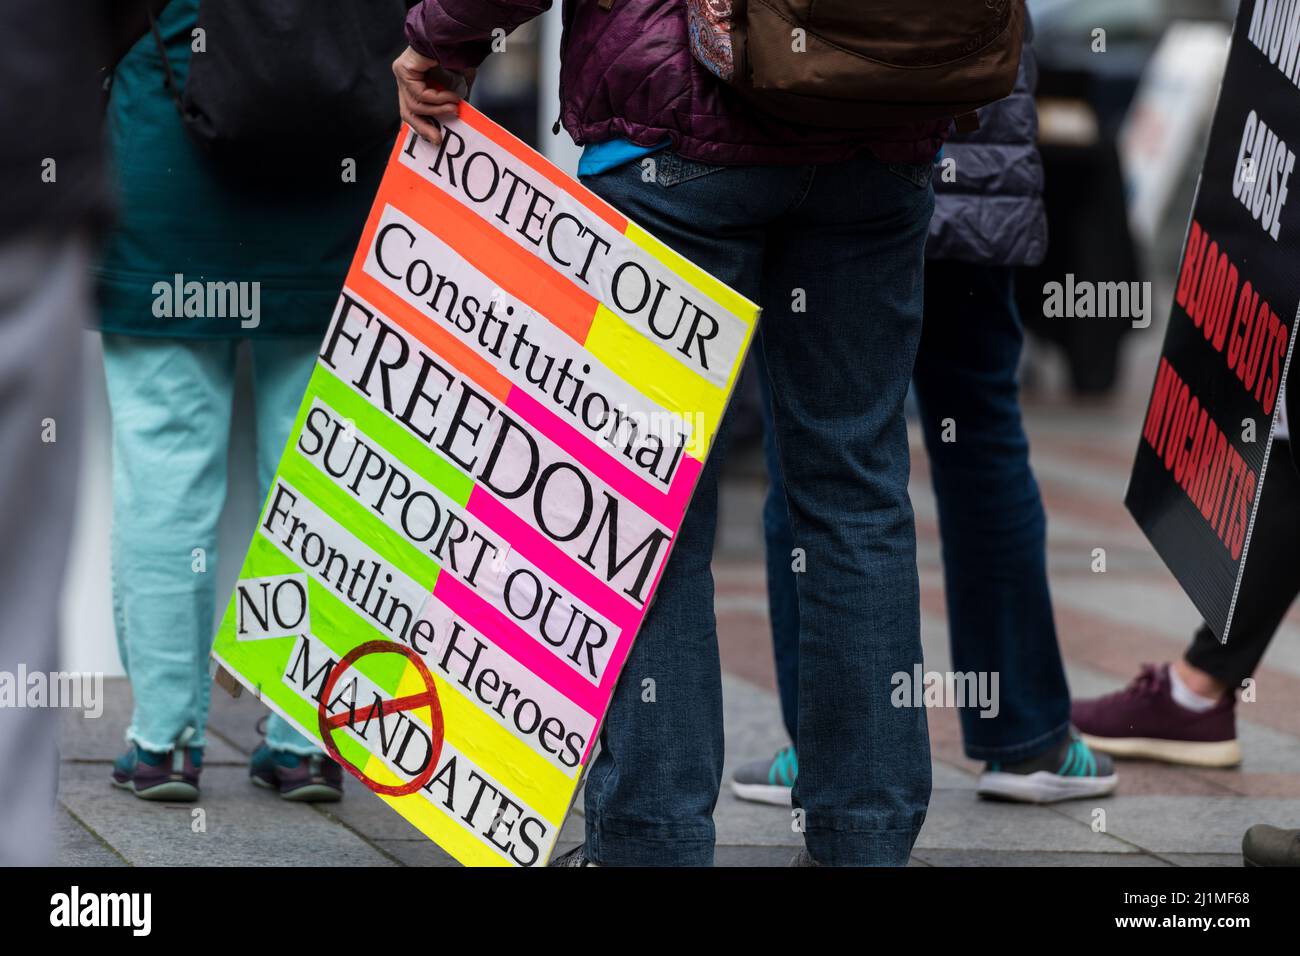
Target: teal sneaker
[1069,771]
[767,781]
[171,777]
[303,779]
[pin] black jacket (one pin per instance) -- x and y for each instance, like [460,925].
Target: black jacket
[52,54]
[992,214]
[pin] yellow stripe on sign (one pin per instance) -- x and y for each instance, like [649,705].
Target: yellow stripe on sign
[658,376]
[525,773]
[434,822]
[721,293]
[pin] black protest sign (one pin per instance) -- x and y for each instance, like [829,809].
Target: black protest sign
[1208,430]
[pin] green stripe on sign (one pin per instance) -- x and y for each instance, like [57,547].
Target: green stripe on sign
[335,623]
[392,437]
[360,521]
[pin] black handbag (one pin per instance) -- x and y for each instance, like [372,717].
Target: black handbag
[277,75]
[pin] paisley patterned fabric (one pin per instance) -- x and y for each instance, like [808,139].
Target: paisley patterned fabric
[710,27]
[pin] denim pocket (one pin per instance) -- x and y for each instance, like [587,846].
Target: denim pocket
[671,169]
[916,174]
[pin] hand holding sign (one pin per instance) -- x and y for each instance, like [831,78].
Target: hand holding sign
[419,96]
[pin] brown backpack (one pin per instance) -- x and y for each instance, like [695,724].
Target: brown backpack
[858,64]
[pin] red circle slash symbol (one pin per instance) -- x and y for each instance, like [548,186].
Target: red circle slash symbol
[429,698]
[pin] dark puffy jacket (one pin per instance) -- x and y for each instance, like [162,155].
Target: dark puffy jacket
[50,112]
[628,72]
[992,214]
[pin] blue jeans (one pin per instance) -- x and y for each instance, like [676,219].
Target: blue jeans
[845,241]
[171,403]
[991,521]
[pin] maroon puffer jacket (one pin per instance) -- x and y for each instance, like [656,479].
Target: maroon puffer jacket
[628,72]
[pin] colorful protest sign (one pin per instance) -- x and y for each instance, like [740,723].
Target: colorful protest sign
[1208,430]
[507,419]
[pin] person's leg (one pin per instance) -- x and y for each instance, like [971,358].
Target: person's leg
[170,401]
[782,590]
[1268,588]
[852,252]
[44,303]
[651,791]
[991,519]
[281,369]
[771,779]
[1185,712]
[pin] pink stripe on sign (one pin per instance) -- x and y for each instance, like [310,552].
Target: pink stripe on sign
[665,507]
[497,627]
[576,581]
[570,576]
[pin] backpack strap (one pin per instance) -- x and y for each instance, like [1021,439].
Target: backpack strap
[169,76]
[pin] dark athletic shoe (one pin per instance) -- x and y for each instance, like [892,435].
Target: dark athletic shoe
[1068,772]
[1144,721]
[803,858]
[171,777]
[767,781]
[575,857]
[302,779]
[1264,845]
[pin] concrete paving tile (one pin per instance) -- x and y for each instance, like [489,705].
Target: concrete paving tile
[363,811]
[243,825]
[1256,784]
[1138,778]
[1265,749]
[236,718]
[742,823]
[752,719]
[420,852]
[945,776]
[1203,859]
[959,821]
[103,738]
[74,845]
[753,856]
[1032,858]
[1186,824]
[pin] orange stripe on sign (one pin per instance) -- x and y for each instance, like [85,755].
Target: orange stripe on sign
[516,270]
[384,196]
[439,341]
[542,166]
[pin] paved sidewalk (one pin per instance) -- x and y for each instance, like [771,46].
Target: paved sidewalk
[1108,624]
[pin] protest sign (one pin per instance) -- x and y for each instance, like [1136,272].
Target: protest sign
[1208,430]
[507,418]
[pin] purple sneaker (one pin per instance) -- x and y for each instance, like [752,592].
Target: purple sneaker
[302,779]
[171,777]
[1144,721]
